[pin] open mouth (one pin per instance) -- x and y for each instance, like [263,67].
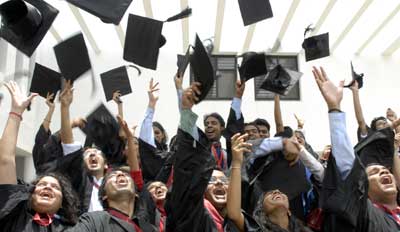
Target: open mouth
[46,195]
[122,181]
[386,180]
[160,192]
[93,162]
[220,194]
[277,197]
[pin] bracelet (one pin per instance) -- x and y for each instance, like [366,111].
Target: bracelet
[17,115]
[334,110]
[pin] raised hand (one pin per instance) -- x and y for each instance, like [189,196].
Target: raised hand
[78,122]
[152,98]
[189,97]
[50,104]
[129,132]
[66,95]
[239,146]
[291,150]
[178,79]
[300,122]
[391,115]
[354,86]
[117,97]
[332,94]
[19,101]
[239,88]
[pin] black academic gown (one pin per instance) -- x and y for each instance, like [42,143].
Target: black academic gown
[185,203]
[102,221]
[46,149]
[346,205]
[15,214]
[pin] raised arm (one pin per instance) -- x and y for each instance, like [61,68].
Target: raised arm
[342,149]
[234,201]
[358,110]
[178,80]
[66,98]
[278,114]
[49,115]
[146,130]
[392,117]
[132,154]
[8,142]
[117,100]
[396,159]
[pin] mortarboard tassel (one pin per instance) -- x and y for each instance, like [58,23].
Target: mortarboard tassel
[183,14]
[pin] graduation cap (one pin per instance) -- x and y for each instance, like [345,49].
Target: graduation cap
[143,39]
[183,61]
[116,79]
[356,77]
[45,81]
[253,65]
[202,68]
[377,148]
[316,46]
[280,80]
[25,23]
[73,57]
[109,11]
[255,10]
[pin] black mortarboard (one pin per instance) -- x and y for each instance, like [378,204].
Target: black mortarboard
[356,77]
[25,23]
[255,10]
[377,148]
[183,61]
[109,11]
[101,126]
[203,70]
[143,39]
[280,80]
[116,79]
[73,57]
[45,81]
[316,46]
[253,65]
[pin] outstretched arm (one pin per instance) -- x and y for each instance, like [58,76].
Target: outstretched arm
[234,201]
[146,130]
[66,98]
[49,115]
[358,110]
[9,138]
[117,100]
[341,146]
[178,79]
[278,114]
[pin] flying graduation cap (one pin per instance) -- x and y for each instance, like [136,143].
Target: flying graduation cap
[253,65]
[356,77]
[117,79]
[144,39]
[45,81]
[25,23]
[73,57]
[255,10]
[109,11]
[316,46]
[280,80]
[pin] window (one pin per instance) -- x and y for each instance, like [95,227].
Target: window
[287,61]
[225,67]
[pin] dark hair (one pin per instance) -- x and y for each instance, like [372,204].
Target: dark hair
[262,122]
[214,115]
[102,188]
[70,202]
[159,126]
[286,133]
[251,124]
[373,122]
[173,143]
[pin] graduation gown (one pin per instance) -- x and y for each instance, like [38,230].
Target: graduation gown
[15,214]
[346,205]
[46,149]
[102,221]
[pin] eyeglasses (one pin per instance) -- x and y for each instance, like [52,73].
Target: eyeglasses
[214,180]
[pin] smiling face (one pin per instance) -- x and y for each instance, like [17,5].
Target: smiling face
[274,200]
[118,185]
[94,161]
[264,132]
[158,191]
[382,185]
[213,128]
[217,189]
[252,131]
[158,134]
[47,196]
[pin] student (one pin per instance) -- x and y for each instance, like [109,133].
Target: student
[49,203]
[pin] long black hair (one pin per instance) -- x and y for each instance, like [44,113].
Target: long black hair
[70,202]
